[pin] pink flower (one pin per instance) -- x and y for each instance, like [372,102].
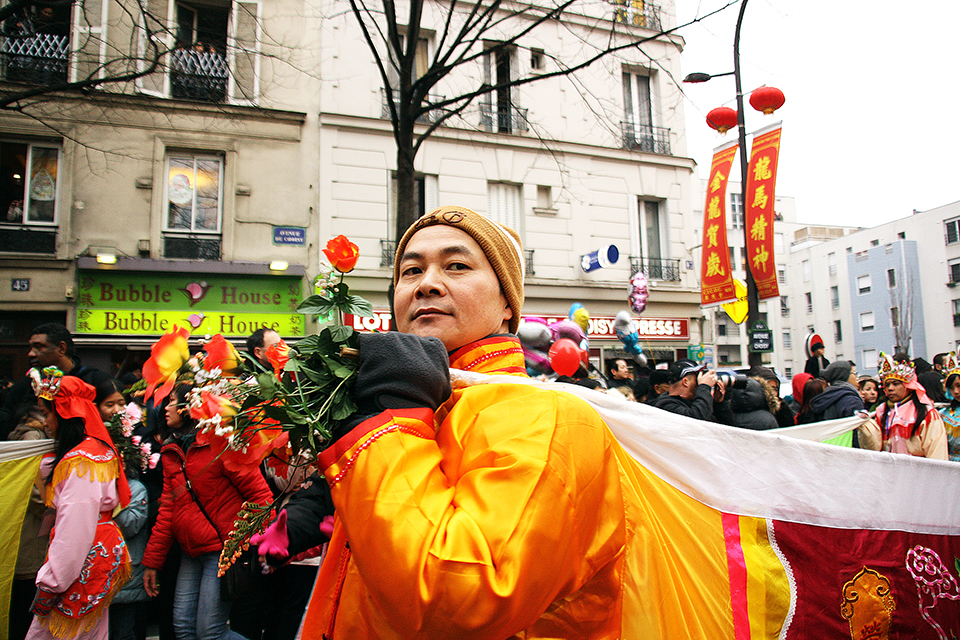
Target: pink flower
[154,459]
[135,440]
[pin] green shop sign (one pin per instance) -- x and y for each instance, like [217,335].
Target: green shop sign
[131,303]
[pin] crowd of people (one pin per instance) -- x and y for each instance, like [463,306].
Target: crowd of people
[436,504]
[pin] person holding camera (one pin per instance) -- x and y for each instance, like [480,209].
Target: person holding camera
[695,392]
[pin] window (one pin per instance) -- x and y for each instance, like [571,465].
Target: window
[536,59]
[805,267]
[952,230]
[788,369]
[787,340]
[722,329]
[891,278]
[834,297]
[194,197]
[28,202]
[809,299]
[503,204]
[837,332]
[36,43]
[497,111]
[874,243]
[866,321]
[782,274]
[832,263]
[894,317]
[863,284]
[215,48]
[637,126]
[849,250]
[784,307]
[956,312]
[868,359]
[637,13]
[954,266]
[902,235]
[736,211]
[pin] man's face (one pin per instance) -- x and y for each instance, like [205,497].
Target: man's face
[818,352]
[621,371]
[270,338]
[43,353]
[895,390]
[688,386]
[447,289]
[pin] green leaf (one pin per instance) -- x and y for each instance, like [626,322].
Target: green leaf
[359,306]
[340,333]
[315,305]
[308,345]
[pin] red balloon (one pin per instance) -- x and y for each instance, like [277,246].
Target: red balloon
[565,357]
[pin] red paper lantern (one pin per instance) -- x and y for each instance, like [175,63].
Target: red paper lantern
[565,357]
[767,99]
[722,119]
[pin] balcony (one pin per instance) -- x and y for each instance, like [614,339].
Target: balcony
[39,59]
[191,247]
[426,118]
[656,269]
[198,75]
[646,138]
[637,13]
[502,118]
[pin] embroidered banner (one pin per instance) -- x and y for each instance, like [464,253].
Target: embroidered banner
[758,205]
[716,280]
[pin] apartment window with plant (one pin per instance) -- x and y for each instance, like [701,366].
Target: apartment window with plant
[193,193]
[28,203]
[214,51]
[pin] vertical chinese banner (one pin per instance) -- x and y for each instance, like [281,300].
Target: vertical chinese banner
[716,280]
[758,204]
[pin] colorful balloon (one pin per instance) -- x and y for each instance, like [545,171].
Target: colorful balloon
[638,292]
[565,357]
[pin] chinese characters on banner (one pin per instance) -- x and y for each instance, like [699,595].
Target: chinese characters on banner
[758,204]
[716,280]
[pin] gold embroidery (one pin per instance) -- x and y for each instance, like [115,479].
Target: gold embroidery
[868,606]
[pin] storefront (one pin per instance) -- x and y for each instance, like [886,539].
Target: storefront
[122,309]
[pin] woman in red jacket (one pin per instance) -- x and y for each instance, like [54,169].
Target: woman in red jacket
[200,501]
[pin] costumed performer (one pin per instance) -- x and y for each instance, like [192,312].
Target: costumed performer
[87,561]
[951,414]
[489,511]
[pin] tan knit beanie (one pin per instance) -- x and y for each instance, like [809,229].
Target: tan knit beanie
[500,244]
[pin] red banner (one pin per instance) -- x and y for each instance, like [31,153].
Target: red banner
[716,280]
[758,205]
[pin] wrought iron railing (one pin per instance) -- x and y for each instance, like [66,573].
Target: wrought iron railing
[388,248]
[192,247]
[645,137]
[656,268]
[502,118]
[21,239]
[528,260]
[39,58]
[429,117]
[637,13]
[198,75]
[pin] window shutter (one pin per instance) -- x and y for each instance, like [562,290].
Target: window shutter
[243,52]
[157,21]
[87,39]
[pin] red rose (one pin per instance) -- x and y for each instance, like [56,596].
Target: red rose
[342,254]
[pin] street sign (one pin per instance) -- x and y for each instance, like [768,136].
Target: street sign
[761,338]
[20,284]
[289,235]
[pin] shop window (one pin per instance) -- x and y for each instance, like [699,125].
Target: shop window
[28,197]
[193,198]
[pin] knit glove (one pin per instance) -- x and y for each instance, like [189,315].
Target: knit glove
[43,602]
[273,543]
[401,371]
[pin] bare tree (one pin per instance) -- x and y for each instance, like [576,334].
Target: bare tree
[468,31]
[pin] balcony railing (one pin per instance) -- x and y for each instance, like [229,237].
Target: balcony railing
[637,13]
[35,59]
[646,138]
[656,268]
[528,260]
[502,118]
[198,75]
[427,118]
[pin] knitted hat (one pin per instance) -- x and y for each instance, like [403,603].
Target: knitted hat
[838,371]
[500,244]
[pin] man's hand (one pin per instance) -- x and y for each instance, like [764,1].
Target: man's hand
[150,583]
[719,391]
[708,377]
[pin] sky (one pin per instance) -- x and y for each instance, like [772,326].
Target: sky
[871,125]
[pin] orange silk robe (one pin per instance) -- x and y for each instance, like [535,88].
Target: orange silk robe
[511,513]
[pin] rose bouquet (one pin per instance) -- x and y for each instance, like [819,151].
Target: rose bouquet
[286,412]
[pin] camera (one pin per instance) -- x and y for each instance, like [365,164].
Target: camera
[732,380]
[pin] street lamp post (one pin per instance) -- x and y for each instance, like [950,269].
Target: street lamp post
[753,298]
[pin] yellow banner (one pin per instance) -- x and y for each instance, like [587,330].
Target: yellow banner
[135,322]
[16,478]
